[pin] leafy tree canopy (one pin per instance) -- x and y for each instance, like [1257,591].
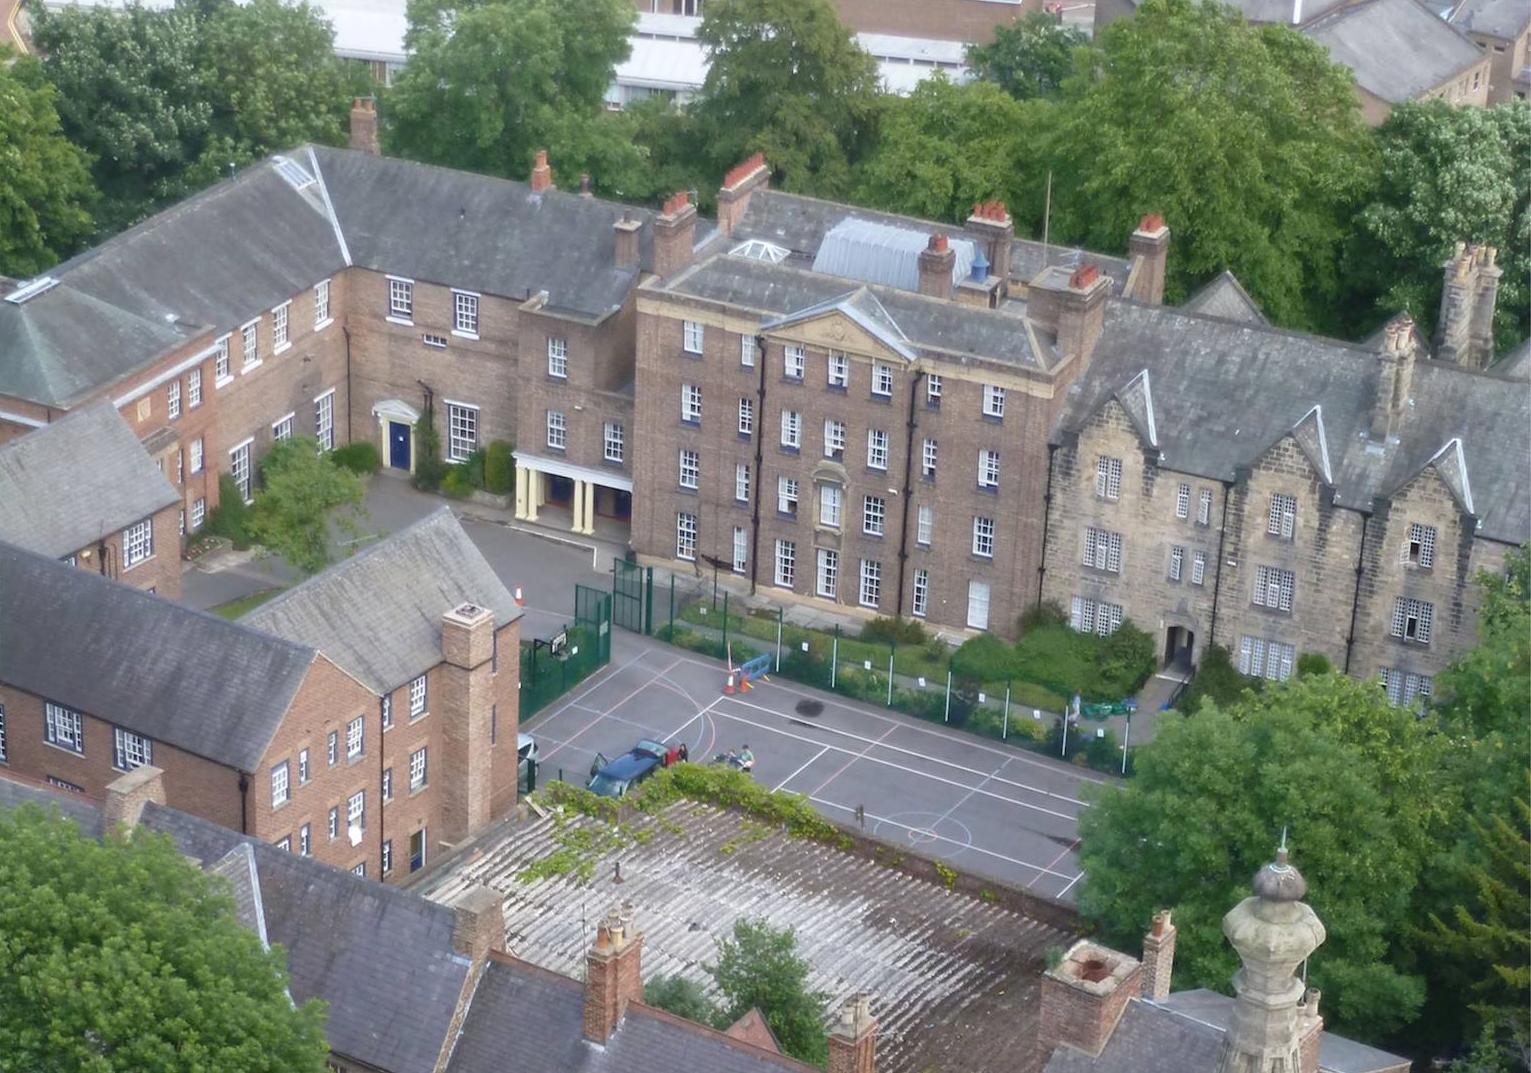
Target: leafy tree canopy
[1028,58]
[122,958]
[759,967]
[45,187]
[682,997]
[302,493]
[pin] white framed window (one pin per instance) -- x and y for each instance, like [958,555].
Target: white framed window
[988,469]
[194,389]
[1204,507]
[558,358]
[196,455]
[834,438]
[434,341]
[983,537]
[417,771]
[1103,550]
[65,727]
[1177,563]
[691,336]
[928,456]
[1198,568]
[1274,588]
[786,563]
[321,304]
[182,521]
[332,749]
[838,372]
[305,841]
[831,496]
[249,337]
[827,583]
[279,785]
[221,374]
[877,448]
[742,482]
[239,468]
[354,738]
[387,786]
[791,429]
[281,428]
[137,543]
[921,599]
[386,706]
[558,430]
[281,327]
[1092,616]
[874,511]
[746,416]
[1282,521]
[741,549]
[1183,501]
[882,379]
[130,750]
[685,536]
[324,420]
[198,513]
[933,390]
[993,401]
[1262,658]
[613,446]
[303,772]
[871,582]
[786,495]
[690,469]
[417,697]
[748,350]
[978,605]
[1412,619]
[401,299]
[360,870]
[356,810]
[793,362]
[925,524]
[334,822]
[387,856]
[173,400]
[462,431]
[1405,687]
[465,313]
[1108,478]
[1420,550]
[691,404]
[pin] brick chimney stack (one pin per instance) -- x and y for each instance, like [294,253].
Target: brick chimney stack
[542,175]
[364,126]
[992,230]
[1148,250]
[1464,332]
[742,180]
[127,795]
[1395,377]
[1070,303]
[628,233]
[1158,956]
[937,260]
[1084,995]
[479,924]
[465,689]
[612,974]
[853,1039]
[584,186]
[674,235]
[1311,1026]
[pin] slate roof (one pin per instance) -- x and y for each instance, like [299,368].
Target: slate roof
[538,1016]
[1287,12]
[1224,296]
[1224,392]
[15,792]
[1516,365]
[1336,1054]
[1398,49]
[238,868]
[93,455]
[381,957]
[1147,1039]
[187,678]
[1504,19]
[377,615]
[933,325]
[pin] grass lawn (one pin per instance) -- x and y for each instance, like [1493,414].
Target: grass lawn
[234,608]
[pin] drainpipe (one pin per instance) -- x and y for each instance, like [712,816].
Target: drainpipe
[1355,598]
[346,331]
[381,812]
[244,803]
[756,485]
[903,531]
[1047,510]
[1217,575]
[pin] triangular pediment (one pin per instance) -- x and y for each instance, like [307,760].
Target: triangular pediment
[1137,399]
[855,322]
[1313,439]
[1450,465]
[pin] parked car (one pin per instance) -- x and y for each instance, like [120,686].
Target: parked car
[526,762]
[614,778]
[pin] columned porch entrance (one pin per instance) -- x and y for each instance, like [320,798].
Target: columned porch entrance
[396,421]
[587,494]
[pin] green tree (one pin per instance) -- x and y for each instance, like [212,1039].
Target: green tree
[45,187]
[759,967]
[1445,175]
[302,492]
[1028,58]
[123,958]
[1355,781]
[682,997]
[787,78]
[1247,138]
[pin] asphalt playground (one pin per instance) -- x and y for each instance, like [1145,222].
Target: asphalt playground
[986,808]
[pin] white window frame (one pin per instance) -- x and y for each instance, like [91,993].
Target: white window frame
[877,449]
[465,306]
[746,416]
[305,841]
[1282,519]
[198,513]
[1103,550]
[741,482]
[792,430]
[64,727]
[834,438]
[786,495]
[401,300]
[130,750]
[1199,568]
[993,401]
[173,400]
[1419,613]
[249,346]
[462,430]
[685,537]
[324,419]
[988,468]
[749,352]
[794,361]
[1177,562]
[434,341]
[356,737]
[1204,507]
[983,536]
[919,603]
[882,380]
[1108,478]
[613,444]
[870,592]
[979,596]
[281,328]
[925,524]
[837,372]
[691,404]
[221,371]
[786,563]
[281,785]
[741,549]
[874,515]
[831,505]
[933,387]
[558,358]
[356,810]
[197,455]
[1419,552]
[419,772]
[929,455]
[1274,588]
[1183,501]
[138,543]
[281,428]
[558,430]
[827,574]
[690,475]
[194,389]
[304,773]
[693,336]
[417,697]
[322,318]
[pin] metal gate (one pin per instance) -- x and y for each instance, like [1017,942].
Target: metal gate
[592,615]
[632,596]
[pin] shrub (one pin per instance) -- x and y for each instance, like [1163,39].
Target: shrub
[1103,753]
[360,457]
[1023,726]
[1125,659]
[456,483]
[985,658]
[473,466]
[892,630]
[499,469]
[231,517]
[1042,616]
[430,470]
[1313,663]
[682,997]
[1217,680]
[1060,659]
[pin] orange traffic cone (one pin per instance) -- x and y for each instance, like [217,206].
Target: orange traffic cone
[728,686]
[744,684]
[520,600]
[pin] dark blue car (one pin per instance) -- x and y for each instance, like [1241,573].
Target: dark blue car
[626,771]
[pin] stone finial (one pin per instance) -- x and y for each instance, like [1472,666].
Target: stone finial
[1280,881]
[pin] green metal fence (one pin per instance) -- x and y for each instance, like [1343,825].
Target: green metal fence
[632,594]
[551,666]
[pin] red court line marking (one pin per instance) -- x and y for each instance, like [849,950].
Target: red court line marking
[841,769]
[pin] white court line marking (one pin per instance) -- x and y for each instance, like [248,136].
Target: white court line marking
[840,702]
[1070,883]
[642,686]
[964,799]
[799,771]
[605,675]
[1070,848]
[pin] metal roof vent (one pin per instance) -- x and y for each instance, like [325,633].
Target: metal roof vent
[31,289]
[980,265]
[296,175]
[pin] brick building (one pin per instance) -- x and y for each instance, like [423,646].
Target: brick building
[1502,29]
[84,491]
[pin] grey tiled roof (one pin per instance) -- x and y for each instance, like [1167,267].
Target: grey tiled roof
[1147,1039]
[1500,18]
[1336,1054]
[72,482]
[1224,296]
[1398,49]
[537,1015]
[1224,392]
[183,677]
[1287,12]
[238,868]
[381,957]
[82,810]
[378,614]
[1516,365]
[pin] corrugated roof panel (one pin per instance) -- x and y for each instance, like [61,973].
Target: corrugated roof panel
[881,253]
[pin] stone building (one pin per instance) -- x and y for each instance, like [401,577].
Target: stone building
[1502,29]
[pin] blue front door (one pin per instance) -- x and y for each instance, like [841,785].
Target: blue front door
[398,445]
